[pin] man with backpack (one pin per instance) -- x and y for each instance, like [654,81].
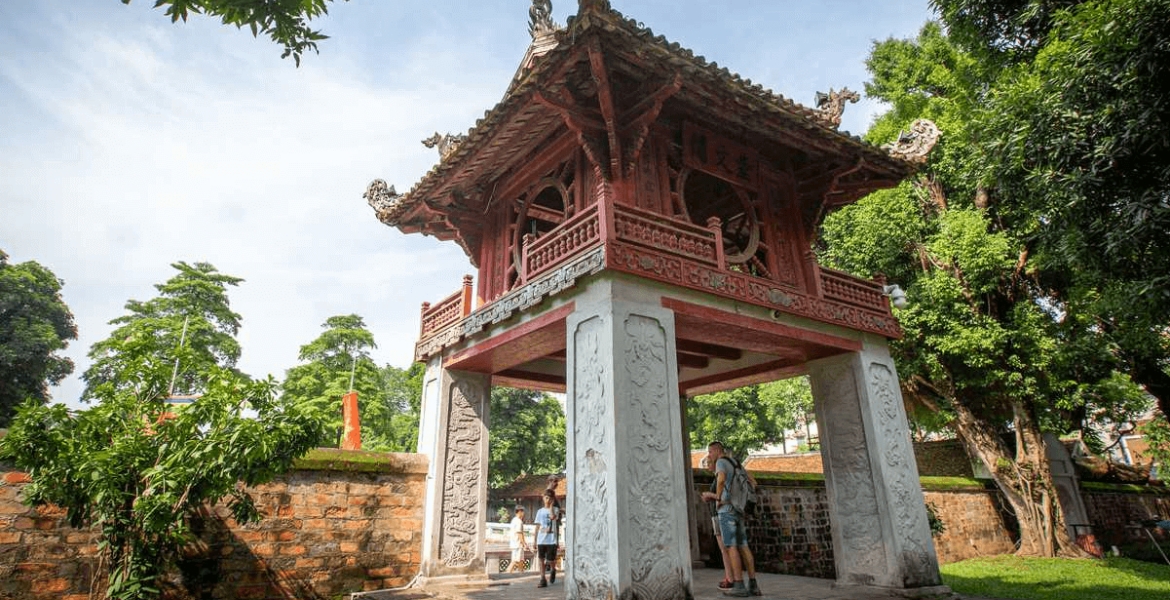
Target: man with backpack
[733,487]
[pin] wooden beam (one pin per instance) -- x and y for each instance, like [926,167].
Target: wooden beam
[594,151]
[762,373]
[712,350]
[641,121]
[779,330]
[528,380]
[524,353]
[693,361]
[605,102]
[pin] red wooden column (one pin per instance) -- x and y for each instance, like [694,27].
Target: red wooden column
[351,439]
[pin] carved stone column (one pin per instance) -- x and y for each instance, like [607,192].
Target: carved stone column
[627,528]
[881,536]
[453,433]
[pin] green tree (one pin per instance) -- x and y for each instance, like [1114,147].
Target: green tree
[526,435]
[985,347]
[339,354]
[1075,139]
[750,417]
[403,394]
[137,469]
[35,324]
[286,22]
[189,324]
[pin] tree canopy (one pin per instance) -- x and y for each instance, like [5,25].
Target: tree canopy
[387,397]
[286,22]
[35,324]
[526,435]
[748,418]
[189,324]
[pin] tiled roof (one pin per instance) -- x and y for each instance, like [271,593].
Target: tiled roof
[529,486]
[516,122]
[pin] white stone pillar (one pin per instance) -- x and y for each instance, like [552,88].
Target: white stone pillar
[627,529]
[453,433]
[881,536]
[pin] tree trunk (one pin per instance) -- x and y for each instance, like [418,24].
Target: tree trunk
[1150,375]
[1025,480]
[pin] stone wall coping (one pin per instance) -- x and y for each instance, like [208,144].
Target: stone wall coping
[363,461]
[1123,488]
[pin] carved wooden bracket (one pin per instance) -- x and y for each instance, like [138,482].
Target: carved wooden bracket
[589,132]
[642,116]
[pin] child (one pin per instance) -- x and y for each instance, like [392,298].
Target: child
[518,543]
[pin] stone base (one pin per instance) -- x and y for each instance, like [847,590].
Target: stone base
[939,592]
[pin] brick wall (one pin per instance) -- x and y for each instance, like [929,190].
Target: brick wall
[789,532]
[975,521]
[1114,515]
[343,522]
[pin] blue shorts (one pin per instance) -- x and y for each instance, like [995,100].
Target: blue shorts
[732,529]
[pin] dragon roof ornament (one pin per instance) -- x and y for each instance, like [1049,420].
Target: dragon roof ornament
[447,143]
[540,23]
[381,197]
[913,146]
[832,105]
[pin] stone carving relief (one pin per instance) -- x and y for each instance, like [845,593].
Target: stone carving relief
[906,495]
[461,486]
[856,511]
[650,499]
[916,144]
[591,535]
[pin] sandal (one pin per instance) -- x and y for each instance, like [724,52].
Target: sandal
[725,584]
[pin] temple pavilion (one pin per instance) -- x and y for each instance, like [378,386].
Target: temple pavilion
[641,222]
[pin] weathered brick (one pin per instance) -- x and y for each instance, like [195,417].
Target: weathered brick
[297,550]
[50,586]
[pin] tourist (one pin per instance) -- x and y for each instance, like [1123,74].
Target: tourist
[731,525]
[518,543]
[713,506]
[558,515]
[546,538]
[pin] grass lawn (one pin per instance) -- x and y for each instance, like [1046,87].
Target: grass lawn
[1059,578]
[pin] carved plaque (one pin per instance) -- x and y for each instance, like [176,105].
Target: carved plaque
[712,153]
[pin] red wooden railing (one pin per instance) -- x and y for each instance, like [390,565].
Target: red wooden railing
[658,232]
[637,227]
[446,311]
[846,288]
[567,239]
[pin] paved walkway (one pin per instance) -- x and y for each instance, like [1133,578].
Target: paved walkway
[522,586]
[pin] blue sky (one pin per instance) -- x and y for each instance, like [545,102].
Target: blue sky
[128,143]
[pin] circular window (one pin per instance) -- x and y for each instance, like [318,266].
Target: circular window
[705,196]
[538,215]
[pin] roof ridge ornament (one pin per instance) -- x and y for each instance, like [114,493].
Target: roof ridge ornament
[832,105]
[540,23]
[380,197]
[447,143]
[584,6]
[914,145]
